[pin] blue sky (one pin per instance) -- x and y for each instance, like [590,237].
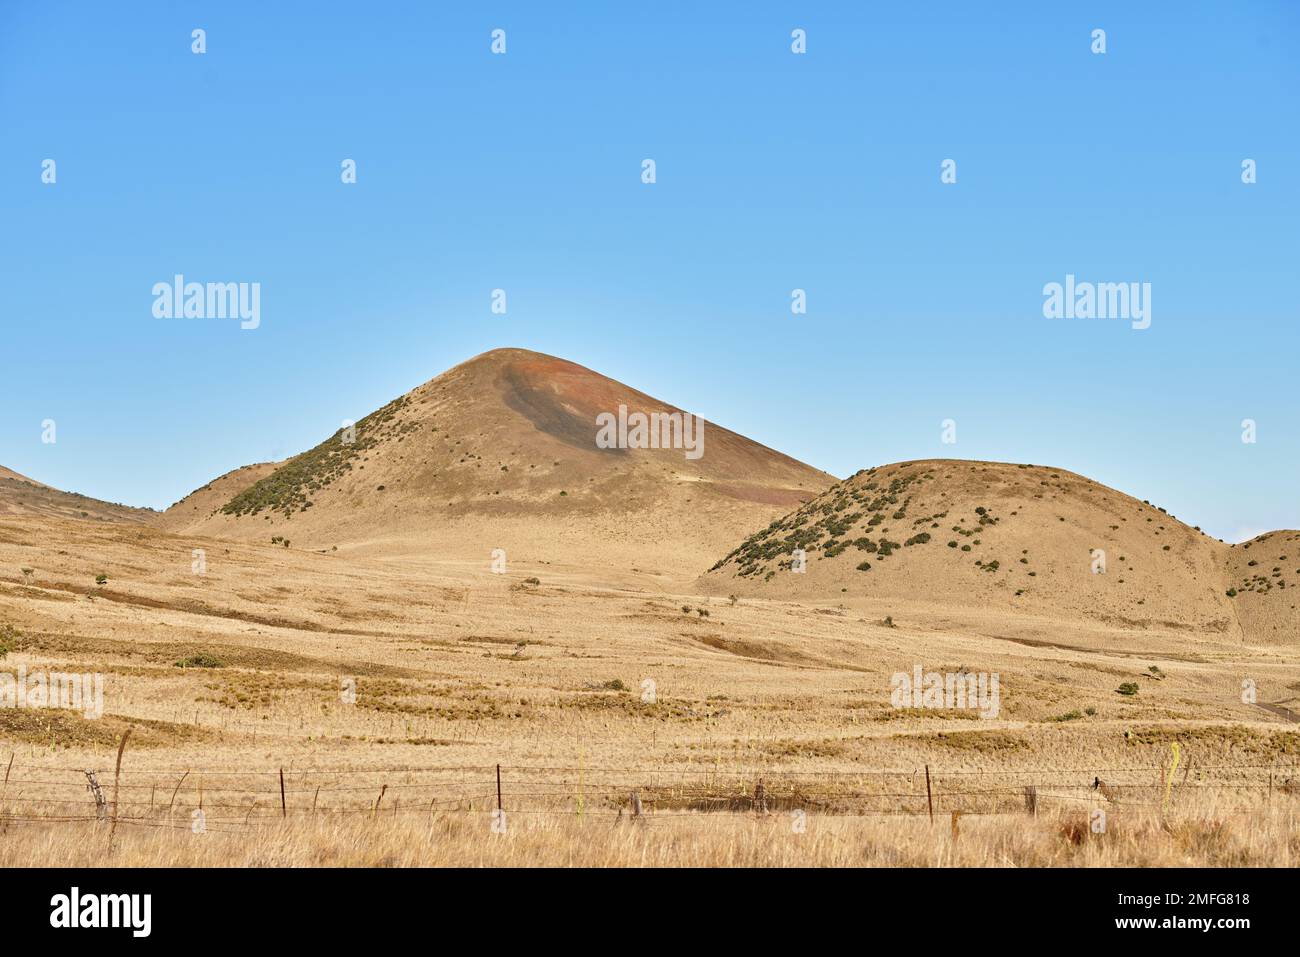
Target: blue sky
[775,171]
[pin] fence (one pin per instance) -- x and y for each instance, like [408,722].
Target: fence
[236,798]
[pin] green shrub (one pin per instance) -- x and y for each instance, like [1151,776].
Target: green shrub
[1128,689]
[200,660]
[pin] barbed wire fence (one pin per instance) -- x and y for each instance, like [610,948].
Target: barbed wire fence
[234,799]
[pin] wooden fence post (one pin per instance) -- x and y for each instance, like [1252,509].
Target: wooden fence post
[5,790]
[101,806]
[284,808]
[172,802]
[117,783]
[1031,800]
[929,797]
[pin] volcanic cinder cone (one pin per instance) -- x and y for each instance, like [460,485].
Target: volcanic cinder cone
[501,452]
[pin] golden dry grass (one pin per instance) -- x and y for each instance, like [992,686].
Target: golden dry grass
[457,669]
[1199,836]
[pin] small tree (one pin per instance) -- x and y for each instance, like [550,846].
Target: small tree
[27,575]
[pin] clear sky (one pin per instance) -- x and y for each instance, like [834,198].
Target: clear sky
[775,171]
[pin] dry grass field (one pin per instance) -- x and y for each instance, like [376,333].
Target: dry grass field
[543,670]
[350,696]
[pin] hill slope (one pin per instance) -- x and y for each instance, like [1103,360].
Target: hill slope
[1264,577]
[501,451]
[1006,537]
[20,495]
[202,502]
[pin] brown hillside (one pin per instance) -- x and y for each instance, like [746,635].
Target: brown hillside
[15,476]
[20,496]
[1264,575]
[1018,538]
[500,451]
[202,502]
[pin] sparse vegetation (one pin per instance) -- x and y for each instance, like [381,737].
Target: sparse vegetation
[200,660]
[455,671]
[289,488]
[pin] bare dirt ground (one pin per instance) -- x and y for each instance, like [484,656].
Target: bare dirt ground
[751,731]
